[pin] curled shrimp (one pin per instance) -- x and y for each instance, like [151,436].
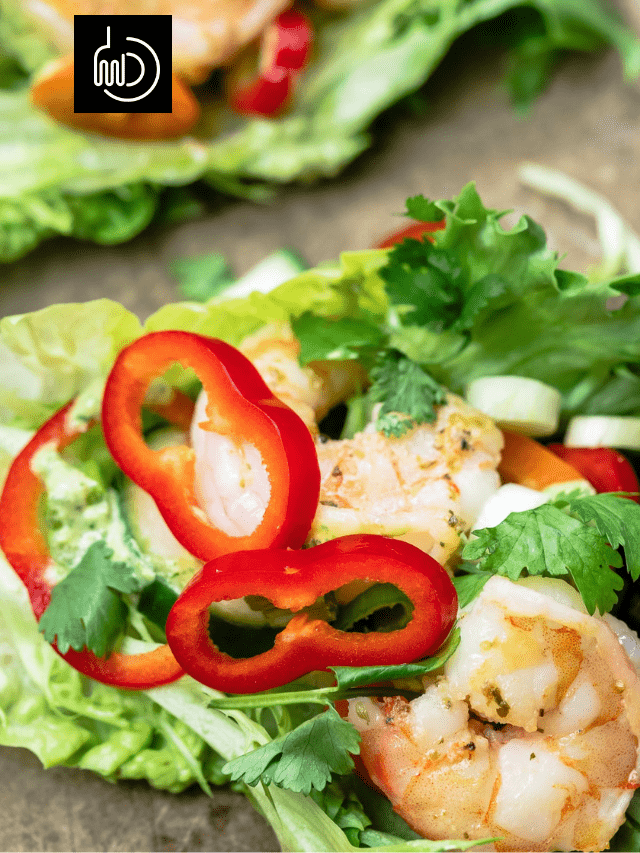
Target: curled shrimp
[426,487]
[530,734]
[311,391]
[232,484]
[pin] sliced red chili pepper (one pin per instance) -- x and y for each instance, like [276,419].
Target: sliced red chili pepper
[415,231]
[241,407]
[606,469]
[25,547]
[264,86]
[296,579]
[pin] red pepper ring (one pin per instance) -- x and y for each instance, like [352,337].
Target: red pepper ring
[295,579]
[263,84]
[25,547]
[240,404]
[415,231]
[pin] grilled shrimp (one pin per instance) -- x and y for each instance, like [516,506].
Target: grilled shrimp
[310,391]
[204,35]
[231,480]
[426,487]
[530,733]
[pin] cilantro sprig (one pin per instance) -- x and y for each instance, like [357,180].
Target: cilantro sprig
[407,393]
[575,536]
[303,759]
[308,757]
[86,608]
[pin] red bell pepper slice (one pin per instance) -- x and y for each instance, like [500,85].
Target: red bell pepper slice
[295,579]
[415,231]
[284,50]
[240,406]
[25,546]
[605,468]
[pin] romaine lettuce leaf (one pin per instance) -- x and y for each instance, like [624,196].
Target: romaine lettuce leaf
[363,63]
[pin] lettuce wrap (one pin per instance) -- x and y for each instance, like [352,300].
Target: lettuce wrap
[511,299]
[55,181]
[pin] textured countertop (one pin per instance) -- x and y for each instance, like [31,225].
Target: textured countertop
[587,125]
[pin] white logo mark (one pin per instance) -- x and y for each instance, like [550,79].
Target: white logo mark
[112,73]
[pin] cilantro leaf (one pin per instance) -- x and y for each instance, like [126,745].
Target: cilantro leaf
[345,809]
[85,607]
[407,393]
[447,280]
[617,519]
[344,338]
[303,759]
[469,586]
[477,302]
[546,540]
[425,283]
[380,607]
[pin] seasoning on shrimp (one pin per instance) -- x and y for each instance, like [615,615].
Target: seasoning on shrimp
[425,487]
[530,734]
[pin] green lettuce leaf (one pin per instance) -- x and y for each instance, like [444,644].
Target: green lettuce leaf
[46,706]
[49,356]
[541,322]
[364,62]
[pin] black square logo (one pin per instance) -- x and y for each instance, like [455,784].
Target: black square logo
[122,64]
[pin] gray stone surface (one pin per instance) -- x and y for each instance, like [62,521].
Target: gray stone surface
[587,125]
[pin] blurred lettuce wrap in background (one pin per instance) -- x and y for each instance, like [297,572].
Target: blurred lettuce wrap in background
[57,181]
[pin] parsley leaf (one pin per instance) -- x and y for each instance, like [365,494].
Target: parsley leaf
[85,608]
[407,393]
[546,540]
[303,759]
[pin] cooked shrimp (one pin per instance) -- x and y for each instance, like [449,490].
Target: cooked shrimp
[426,487]
[204,35]
[529,735]
[232,484]
[311,391]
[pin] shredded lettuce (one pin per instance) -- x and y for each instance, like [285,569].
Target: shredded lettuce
[619,244]
[57,181]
